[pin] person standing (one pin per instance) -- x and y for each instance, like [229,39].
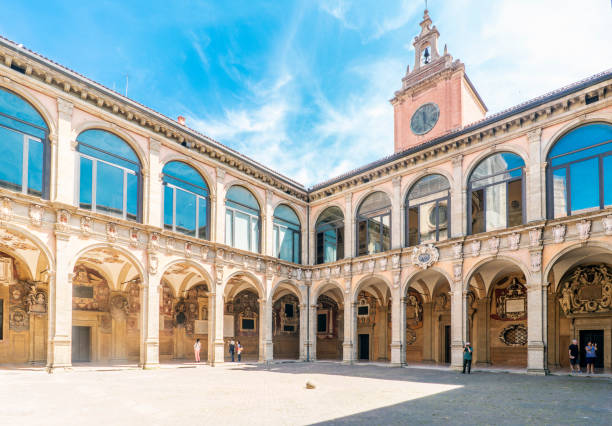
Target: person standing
[467,358]
[591,356]
[232,349]
[196,350]
[573,356]
[239,350]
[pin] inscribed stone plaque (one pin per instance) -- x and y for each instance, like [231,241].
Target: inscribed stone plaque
[515,305]
[228,326]
[201,327]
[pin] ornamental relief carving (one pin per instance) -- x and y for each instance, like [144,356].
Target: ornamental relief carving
[366,309]
[514,335]
[511,300]
[587,289]
[286,315]
[425,256]
[414,309]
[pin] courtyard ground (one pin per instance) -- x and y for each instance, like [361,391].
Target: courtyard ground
[249,394]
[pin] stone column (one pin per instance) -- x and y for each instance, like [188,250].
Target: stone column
[397,343]
[154,184]
[265,312]
[219,343]
[313,330]
[149,330]
[396,216]
[64,174]
[220,207]
[349,232]
[536,328]
[534,179]
[350,330]
[212,314]
[458,195]
[402,329]
[459,318]
[59,349]
[268,233]
[303,330]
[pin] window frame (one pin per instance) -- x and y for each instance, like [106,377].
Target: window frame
[408,206]
[471,190]
[247,211]
[550,170]
[94,173]
[334,225]
[198,197]
[45,169]
[277,224]
[368,216]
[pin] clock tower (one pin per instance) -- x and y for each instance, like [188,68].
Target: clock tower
[436,96]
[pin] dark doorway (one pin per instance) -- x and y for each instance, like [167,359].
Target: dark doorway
[447,344]
[81,344]
[364,347]
[595,336]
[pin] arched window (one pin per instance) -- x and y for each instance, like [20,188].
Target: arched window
[186,200]
[495,191]
[330,235]
[427,210]
[286,234]
[24,147]
[241,219]
[109,175]
[580,171]
[374,224]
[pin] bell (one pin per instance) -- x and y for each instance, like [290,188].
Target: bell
[426,55]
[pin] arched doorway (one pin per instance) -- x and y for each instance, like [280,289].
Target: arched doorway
[24,299]
[372,335]
[579,305]
[183,312]
[243,316]
[106,307]
[329,323]
[286,322]
[498,322]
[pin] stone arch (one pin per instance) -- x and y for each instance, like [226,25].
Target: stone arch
[365,195]
[198,267]
[74,258]
[567,250]
[524,269]
[297,212]
[36,104]
[252,279]
[120,133]
[175,156]
[37,242]
[366,281]
[499,149]
[245,185]
[287,284]
[415,275]
[413,179]
[325,287]
[597,117]
[315,214]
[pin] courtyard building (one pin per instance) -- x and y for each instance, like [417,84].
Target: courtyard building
[125,235]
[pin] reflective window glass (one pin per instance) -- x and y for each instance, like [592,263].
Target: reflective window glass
[168,207]
[242,219]
[423,202]
[584,194]
[14,106]
[287,230]
[330,231]
[607,175]
[35,167]
[85,188]
[185,213]
[374,218]
[109,189]
[11,160]
[559,184]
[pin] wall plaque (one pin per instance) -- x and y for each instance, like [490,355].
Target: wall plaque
[228,326]
[201,327]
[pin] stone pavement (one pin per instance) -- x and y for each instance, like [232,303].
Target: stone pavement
[276,394]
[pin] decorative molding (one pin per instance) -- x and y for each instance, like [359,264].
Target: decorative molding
[559,233]
[153,263]
[493,244]
[6,209]
[514,240]
[457,250]
[535,237]
[36,212]
[424,256]
[584,229]
[536,260]
[475,248]
[86,225]
[111,232]
[607,224]
[62,220]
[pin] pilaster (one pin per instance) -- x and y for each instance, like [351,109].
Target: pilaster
[459,320]
[219,344]
[458,194]
[313,331]
[350,330]
[64,157]
[153,186]
[265,310]
[220,207]
[149,331]
[534,188]
[349,245]
[396,217]
[268,234]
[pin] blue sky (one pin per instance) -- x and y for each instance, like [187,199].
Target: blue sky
[303,86]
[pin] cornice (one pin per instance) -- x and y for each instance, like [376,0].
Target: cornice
[16,59]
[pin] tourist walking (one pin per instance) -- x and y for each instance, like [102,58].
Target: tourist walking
[467,358]
[232,349]
[591,356]
[574,352]
[239,350]
[196,350]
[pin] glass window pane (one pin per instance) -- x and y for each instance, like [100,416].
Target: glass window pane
[203,218]
[229,226]
[85,187]
[428,185]
[296,247]
[584,186]
[286,214]
[286,244]
[168,209]
[443,220]
[132,197]
[413,226]
[496,207]
[559,184]
[374,237]
[320,250]
[185,212]
[331,245]
[15,106]
[109,143]
[362,238]
[385,242]
[242,196]
[340,243]
[332,216]
[11,160]
[515,203]
[276,241]
[582,137]
[374,202]
[254,234]
[478,211]
[185,173]
[241,231]
[607,172]
[109,189]
[35,167]
[427,222]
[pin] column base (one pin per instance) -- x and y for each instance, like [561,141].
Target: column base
[150,366]
[219,353]
[538,371]
[58,368]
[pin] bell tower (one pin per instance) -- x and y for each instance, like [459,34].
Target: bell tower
[436,96]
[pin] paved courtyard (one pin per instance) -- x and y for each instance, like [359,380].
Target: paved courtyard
[253,394]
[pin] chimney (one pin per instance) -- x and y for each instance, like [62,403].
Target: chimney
[181,120]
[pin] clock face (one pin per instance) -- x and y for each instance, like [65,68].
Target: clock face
[424,118]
